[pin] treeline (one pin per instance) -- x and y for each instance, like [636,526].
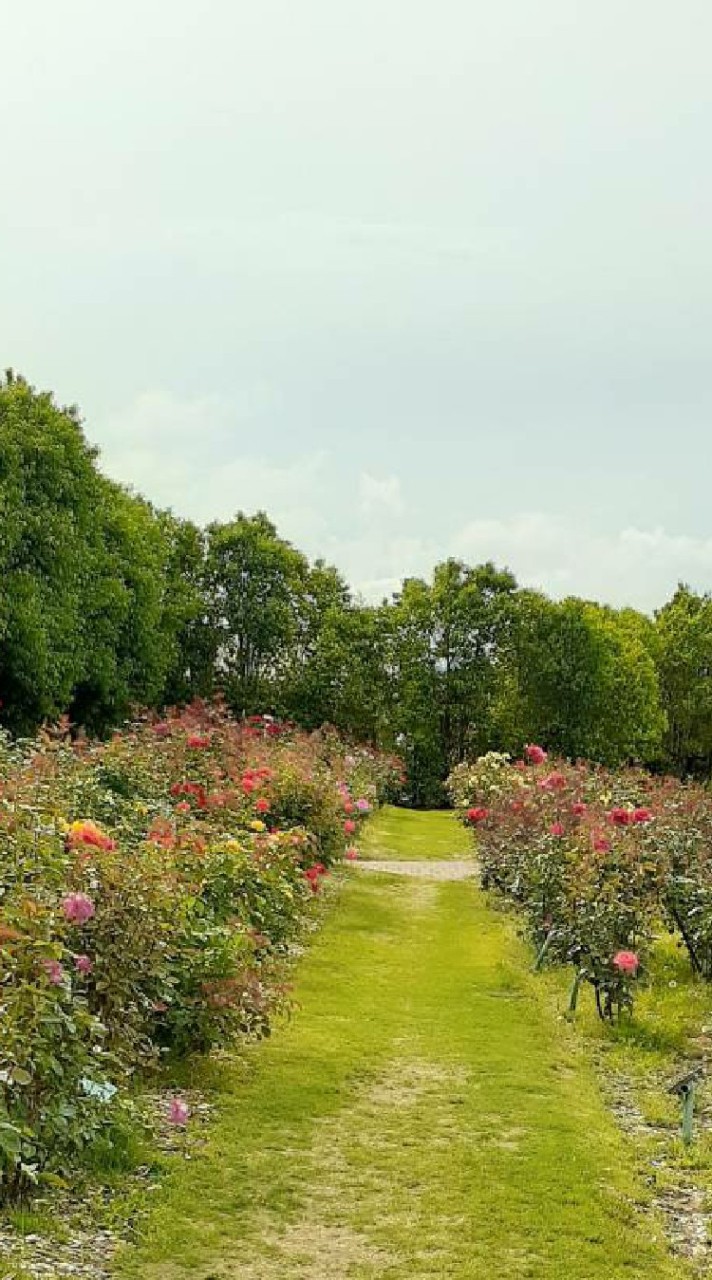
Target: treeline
[107,604]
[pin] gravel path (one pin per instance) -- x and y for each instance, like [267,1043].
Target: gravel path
[456,869]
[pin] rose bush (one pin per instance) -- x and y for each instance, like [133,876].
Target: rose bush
[151,889]
[594,858]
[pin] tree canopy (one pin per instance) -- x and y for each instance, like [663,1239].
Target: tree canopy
[107,603]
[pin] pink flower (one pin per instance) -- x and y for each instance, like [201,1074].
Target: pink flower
[601,844]
[262,805]
[351,854]
[54,972]
[349,826]
[162,730]
[553,782]
[642,815]
[535,754]
[556,829]
[363,806]
[78,908]
[178,1112]
[83,965]
[627,962]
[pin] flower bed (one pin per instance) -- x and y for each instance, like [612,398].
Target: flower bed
[595,859]
[150,890]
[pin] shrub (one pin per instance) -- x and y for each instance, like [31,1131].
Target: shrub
[151,889]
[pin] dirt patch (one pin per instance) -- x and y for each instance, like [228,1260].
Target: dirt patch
[82,1254]
[406,1083]
[310,1251]
[455,869]
[682,1204]
[322,1244]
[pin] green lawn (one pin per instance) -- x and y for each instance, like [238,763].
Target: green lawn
[400,834]
[424,1114]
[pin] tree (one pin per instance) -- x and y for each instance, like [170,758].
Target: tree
[450,646]
[48,496]
[128,633]
[684,635]
[585,682]
[255,584]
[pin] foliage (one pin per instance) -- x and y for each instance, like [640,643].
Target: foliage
[584,680]
[107,604]
[684,630]
[150,890]
[593,857]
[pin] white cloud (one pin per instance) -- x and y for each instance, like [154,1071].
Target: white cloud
[630,566]
[190,455]
[382,496]
[208,458]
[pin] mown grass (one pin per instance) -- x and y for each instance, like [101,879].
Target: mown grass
[424,1114]
[408,834]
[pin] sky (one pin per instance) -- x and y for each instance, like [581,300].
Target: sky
[417,279]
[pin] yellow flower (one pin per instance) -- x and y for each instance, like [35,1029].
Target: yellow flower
[257,825]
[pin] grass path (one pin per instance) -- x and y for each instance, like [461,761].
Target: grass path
[422,1115]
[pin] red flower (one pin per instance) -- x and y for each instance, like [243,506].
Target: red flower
[477,815]
[535,754]
[313,875]
[621,817]
[642,815]
[262,805]
[349,826]
[579,808]
[198,741]
[626,962]
[556,829]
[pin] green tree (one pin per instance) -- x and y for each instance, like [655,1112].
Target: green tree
[191,637]
[255,584]
[684,634]
[48,499]
[584,681]
[128,635]
[451,639]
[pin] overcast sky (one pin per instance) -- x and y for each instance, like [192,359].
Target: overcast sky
[417,278]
